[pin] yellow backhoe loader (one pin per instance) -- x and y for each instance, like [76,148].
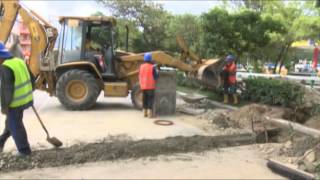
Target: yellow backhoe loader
[86,61]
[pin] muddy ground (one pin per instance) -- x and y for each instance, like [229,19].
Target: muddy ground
[244,162]
[119,148]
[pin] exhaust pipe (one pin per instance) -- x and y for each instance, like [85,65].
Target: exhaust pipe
[127,38]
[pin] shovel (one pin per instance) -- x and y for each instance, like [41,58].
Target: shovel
[52,140]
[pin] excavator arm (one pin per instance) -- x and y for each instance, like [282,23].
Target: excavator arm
[8,15]
[43,37]
[207,71]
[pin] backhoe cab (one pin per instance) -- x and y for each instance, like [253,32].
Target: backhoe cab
[86,61]
[88,40]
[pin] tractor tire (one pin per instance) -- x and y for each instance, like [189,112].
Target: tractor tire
[77,90]
[136,97]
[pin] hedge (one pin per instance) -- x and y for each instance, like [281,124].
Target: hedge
[273,92]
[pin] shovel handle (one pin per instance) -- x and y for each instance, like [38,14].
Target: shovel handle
[39,119]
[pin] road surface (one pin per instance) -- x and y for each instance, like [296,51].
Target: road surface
[231,163]
[116,116]
[110,117]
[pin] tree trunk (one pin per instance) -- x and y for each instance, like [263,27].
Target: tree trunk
[238,55]
[278,59]
[284,55]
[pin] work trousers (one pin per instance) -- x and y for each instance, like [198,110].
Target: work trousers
[14,127]
[148,99]
[230,89]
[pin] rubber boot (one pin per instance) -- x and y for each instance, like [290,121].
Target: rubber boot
[225,98]
[235,99]
[145,113]
[150,115]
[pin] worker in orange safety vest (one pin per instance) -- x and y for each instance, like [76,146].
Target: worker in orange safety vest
[148,75]
[230,80]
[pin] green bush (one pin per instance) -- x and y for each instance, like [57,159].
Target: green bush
[273,92]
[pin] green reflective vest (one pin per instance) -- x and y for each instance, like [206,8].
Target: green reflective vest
[22,85]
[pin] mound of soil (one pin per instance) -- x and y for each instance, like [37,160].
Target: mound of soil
[313,122]
[219,117]
[120,149]
[243,117]
[310,103]
[311,97]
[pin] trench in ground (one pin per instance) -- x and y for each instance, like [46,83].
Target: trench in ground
[121,148]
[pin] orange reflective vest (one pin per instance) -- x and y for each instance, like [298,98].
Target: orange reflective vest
[146,79]
[232,72]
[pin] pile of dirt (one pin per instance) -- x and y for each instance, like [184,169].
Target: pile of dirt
[120,149]
[310,103]
[311,97]
[256,112]
[243,117]
[219,118]
[313,122]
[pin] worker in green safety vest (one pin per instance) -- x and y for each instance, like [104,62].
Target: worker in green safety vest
[16,90]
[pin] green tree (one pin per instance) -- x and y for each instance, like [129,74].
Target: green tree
[149,17]
[188,26]
[238,33]
[134,34]
[217,37]
[298,22]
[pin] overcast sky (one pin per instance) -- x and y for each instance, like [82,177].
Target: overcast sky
[52,9]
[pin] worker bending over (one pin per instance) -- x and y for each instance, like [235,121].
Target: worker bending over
[230,80]
[16,96]
[148,74]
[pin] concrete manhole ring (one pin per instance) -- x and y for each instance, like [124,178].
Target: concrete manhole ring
[163,122]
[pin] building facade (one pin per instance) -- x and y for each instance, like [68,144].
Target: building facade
[24,38]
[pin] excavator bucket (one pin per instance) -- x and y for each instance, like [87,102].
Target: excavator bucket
[209,72]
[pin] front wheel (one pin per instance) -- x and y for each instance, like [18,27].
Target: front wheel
[77,90]
[136,96]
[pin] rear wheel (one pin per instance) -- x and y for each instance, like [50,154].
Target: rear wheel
[136,97]
[77,90]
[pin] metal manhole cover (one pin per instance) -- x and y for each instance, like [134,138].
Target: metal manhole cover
[164,122]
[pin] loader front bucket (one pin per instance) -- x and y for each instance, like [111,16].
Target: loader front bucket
[209,72]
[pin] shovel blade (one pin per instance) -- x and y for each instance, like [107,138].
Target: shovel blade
[54,141]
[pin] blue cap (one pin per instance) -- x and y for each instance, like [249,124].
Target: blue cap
[230,58]
[4,53]
[147,57]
